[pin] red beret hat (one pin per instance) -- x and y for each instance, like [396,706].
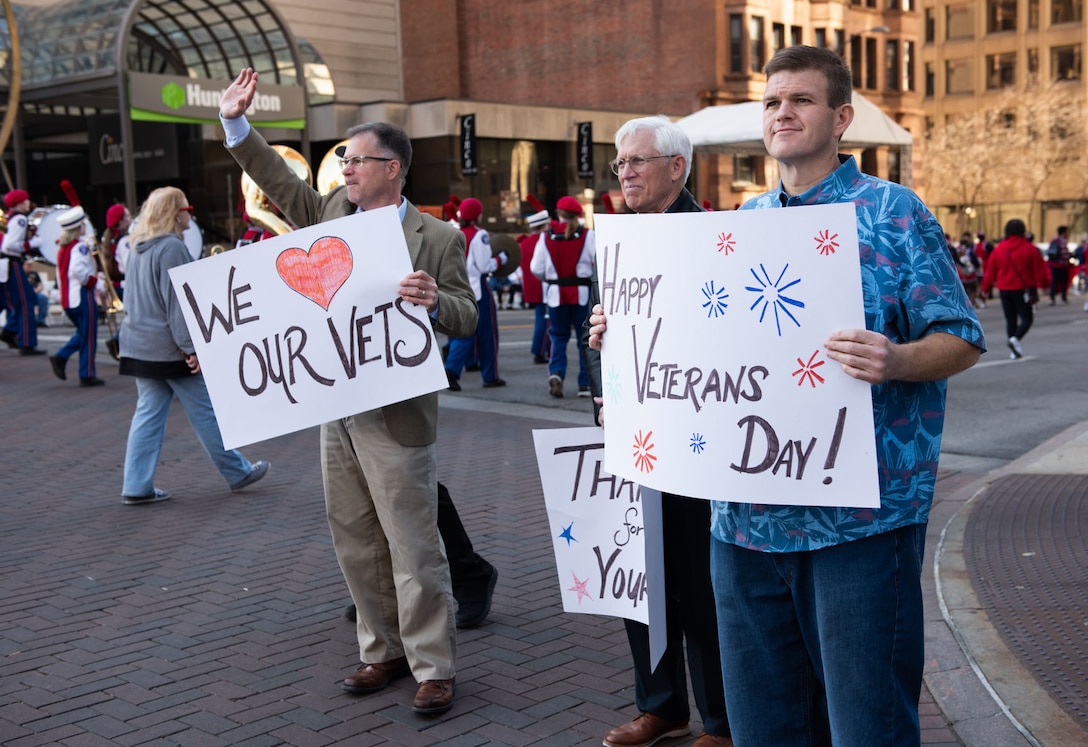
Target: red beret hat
[16,197]
[114,215]
[471,208]
[569,204]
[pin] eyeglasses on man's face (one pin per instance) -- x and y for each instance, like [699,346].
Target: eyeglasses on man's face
[357,161]
[637,163]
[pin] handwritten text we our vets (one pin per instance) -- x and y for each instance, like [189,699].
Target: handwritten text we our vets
[387,336]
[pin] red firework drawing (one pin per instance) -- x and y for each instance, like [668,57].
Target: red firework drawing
[826,243]
[644,457]
[808,370]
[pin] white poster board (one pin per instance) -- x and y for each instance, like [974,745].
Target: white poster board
[716,381]
[305,328]
[597,523]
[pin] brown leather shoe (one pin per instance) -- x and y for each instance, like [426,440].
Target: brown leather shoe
[433,697]
[711,740]
[645,730]
[370,678]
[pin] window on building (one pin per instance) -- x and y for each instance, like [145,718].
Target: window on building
[796,36]
[755,44]
[931,81]
[908,66]
[736,43]
[1033,14]
[840,43]
[819,38]
[1066,11]
[959,76]
[778,37]
[1065,62]
[748,169]
[872,64]
[856,68]
[893,81]
[959,22]
[1033,61]
[931,25]
[1000,15]
[1000,71]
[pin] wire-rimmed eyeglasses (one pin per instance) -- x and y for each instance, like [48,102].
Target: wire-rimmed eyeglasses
[637,163]
[357,161]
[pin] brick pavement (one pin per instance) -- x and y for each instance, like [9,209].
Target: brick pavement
[215,619]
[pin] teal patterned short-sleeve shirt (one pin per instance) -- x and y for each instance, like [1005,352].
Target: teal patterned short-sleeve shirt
[911,290]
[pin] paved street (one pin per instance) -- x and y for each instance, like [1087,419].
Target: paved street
[216,618]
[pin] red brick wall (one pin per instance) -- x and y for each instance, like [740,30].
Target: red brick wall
[430,50]
[641,55]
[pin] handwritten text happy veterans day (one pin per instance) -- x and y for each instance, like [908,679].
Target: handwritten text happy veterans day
[307,327]
[716,383]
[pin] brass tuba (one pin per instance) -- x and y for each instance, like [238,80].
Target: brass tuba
[260,210]
[112,308]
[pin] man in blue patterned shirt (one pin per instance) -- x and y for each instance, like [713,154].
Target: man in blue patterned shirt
[820,609]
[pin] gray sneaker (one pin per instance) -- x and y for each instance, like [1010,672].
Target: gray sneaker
[139,500]
[260,469]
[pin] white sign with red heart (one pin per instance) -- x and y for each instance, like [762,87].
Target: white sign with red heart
[305,328]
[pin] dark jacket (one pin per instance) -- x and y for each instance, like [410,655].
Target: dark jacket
[684,203]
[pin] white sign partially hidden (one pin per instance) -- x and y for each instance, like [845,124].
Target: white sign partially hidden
[598,526]
[305,328]
[716,381]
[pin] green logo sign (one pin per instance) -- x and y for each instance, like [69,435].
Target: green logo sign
[173,95]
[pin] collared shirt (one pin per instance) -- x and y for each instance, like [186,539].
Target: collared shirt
[910,290]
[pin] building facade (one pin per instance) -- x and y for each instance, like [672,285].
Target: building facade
[538,88]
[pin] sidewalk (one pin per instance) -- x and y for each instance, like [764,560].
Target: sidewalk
[216,619]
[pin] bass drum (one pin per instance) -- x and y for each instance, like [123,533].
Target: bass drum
[45,221]
[194,239]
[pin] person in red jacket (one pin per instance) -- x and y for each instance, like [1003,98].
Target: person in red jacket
[1017,268]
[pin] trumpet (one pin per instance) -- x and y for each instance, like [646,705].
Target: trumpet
[112,306]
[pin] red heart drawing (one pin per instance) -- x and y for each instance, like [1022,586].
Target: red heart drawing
[319,273]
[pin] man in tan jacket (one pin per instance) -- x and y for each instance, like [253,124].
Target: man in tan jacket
[378,467]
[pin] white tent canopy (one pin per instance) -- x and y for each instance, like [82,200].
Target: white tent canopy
[738,128]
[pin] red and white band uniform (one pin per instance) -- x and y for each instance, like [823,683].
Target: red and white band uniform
[566,267]
[77,277]
[484,345]
[20,297]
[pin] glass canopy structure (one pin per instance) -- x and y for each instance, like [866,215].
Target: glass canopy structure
[76,56]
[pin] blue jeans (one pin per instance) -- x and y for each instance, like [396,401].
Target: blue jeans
[540,344]
[822,647]
[149,426]
[564,320]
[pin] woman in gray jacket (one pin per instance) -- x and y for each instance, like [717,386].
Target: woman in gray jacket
[156,348]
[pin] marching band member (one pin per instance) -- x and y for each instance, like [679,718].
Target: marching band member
[21,329]
[77,276]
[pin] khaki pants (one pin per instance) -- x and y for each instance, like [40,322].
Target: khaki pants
[382,504]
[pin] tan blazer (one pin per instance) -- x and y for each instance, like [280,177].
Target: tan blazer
[434,246]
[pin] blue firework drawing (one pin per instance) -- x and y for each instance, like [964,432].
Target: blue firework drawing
[772,295]
[715,303]
[612,387]
[697,443]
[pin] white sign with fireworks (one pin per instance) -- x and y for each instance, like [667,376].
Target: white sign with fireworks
[716,381]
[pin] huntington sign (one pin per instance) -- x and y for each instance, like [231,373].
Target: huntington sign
[169,98]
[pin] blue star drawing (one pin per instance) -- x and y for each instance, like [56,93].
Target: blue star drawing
[715,300]
[772,295]
[697,443]
[567,535]
[612,385]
